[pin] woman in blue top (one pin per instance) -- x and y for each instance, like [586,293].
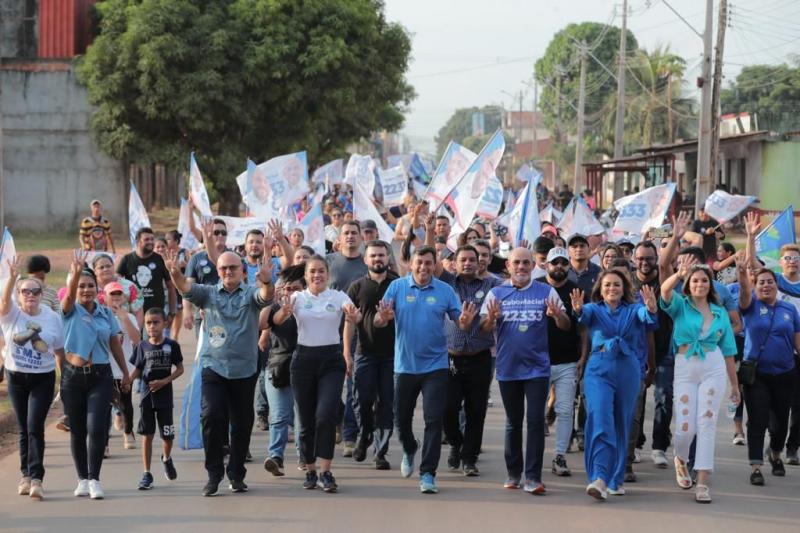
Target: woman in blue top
[91,337]
[772,334]
[611,381]
[705,350]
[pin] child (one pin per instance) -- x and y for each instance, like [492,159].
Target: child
[154,359]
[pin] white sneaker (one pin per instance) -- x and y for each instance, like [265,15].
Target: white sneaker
[660,459]
[24,487]
[37,493]
[619,491]
[597,490]
[738,439]
[95,490]
[637,455]
[82,489]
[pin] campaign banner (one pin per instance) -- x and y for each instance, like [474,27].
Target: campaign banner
[523,221]
[7,253]
[313,228]
[723,207]
[394,184]
[331,173]
[578,218]
[454,164]
[526,172]
[492,200]
[364,209]
[239,226]
[188,240]
[550,214]
[190,431]
[419,189]
[779,232]
[277,182]
[361,170]
[137,215]
[197,189]
[644,210]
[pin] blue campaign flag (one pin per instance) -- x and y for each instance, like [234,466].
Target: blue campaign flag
[771,238]
[190,431]
[529,224]
[416,169]
[137,215]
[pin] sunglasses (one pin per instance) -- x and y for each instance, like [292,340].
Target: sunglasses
[30,292]
[559,262]
[791,258]
[218,232]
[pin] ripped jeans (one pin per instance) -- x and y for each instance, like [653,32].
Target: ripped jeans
[699,388]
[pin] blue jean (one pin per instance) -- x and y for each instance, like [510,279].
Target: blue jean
[281,415]
[373,395]
[433,386]
[611,385]
[515,394]
[31,396]
[662,408]
[262,398]
[565,380]
[350,423]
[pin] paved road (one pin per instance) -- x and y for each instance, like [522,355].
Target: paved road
[383,501]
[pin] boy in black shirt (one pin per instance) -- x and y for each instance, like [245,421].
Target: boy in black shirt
[154,359]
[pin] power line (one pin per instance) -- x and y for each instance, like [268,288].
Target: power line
[470,69]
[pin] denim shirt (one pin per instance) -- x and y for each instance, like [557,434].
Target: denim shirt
[616,331]
[88,334]
[689,324]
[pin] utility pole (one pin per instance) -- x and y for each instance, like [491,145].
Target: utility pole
[703,177]
[619,128]
[721,24]
[535,151]
[556,169]
[581,105]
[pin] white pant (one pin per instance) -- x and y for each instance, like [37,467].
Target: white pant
[699,388]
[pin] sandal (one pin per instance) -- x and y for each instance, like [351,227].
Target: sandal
[702,495]
[682,475]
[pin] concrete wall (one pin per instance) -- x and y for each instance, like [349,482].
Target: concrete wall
[52,167]
[18,28]
[780,184]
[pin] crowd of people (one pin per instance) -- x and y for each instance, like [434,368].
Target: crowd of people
[339,347]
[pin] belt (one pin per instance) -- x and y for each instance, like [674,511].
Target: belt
[481,352]
[85,369]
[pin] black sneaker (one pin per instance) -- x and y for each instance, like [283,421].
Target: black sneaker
[311,480]
[211,488]
[248,458]
[360,451]
[757,478]
[274,465]
[777,467]
[382,464]
[262,423]
[327,482]
[560,467]
[147,481]
[454,460]
[238,486]
[470,470]
[169,469]
[630,475]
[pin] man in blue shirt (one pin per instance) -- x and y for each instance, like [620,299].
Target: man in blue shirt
[419,304]
[229,360]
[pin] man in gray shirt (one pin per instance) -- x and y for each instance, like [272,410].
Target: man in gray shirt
[229,360]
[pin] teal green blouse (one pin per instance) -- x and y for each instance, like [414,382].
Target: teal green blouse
[688,326]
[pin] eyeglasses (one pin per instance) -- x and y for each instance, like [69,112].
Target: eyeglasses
[30,292]
[229,267]
[791,258]
[218,232]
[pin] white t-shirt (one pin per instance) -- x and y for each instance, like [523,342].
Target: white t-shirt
[318,317]
[31,340]
[127,349]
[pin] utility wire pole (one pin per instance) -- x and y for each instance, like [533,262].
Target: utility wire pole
[581,106]
[703,177]
[535,151]
[721,24]
[619,128]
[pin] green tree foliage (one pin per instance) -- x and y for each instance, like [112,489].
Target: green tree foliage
[232,79]
[458,128]
[772,92]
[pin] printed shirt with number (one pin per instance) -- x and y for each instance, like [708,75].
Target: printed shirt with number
[522,348]
[31,340]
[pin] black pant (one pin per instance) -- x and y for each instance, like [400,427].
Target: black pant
[126,408]
[86,392]
[373,395]
[31,396]
[407,387]
[793,442]
[515,394]
[226,404]
[768,401]
[317,376]
[469,380]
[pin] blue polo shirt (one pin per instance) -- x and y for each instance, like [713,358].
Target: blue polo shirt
[229,345]
[87,334]
[775,333]
[420,343]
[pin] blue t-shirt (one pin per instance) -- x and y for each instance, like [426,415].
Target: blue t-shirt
[87,334]
[777,355]
[420,343]
[620,331]
[788,287]
[522,348]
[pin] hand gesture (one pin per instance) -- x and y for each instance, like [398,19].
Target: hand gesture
[680,225]
[468,312]
[493,310]
[275,230]
[78,262]
[740,260]
[523,243]
[649,298]
[685,266]
[264,274]
[430,223]
[172,262]
[385,311]
[553,309]
[751,223]
[13,267]
[207,229]
[287,305]
[351,313]
[576,298]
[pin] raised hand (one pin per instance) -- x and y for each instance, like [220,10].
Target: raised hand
[351,313]
[385,310]
[751,223]
[493,310]
[287,305]
[430,222]
[13,267]
[275,229]
[264,274]
[78,262]
[680,224]
[685,266]
[576,298]
[468,312]
[649,298]
[171,261]
[553,309]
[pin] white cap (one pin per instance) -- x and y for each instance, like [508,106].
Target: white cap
[557,252]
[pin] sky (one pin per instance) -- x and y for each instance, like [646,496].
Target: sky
[476,52]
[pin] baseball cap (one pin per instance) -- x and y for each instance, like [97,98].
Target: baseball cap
[557,252]
[95,201]
[114,286]
[577,238]
[368,224]
[549,229]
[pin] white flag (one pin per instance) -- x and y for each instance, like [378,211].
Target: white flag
[331,173]
[454,164]
[137,215]
[394,183]
[550,214]
[314,229]
[361,170]
[492,199]
[239,226]
[723,207]
[7,253]
[197,189]
[188,240]
[578,218]
[364,209]
[274,184]
[644,210]
[523,222]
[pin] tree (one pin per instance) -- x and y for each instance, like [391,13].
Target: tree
[772,92]
[458,128]
[232,79]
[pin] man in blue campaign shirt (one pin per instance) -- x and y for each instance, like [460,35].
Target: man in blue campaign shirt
[518,310]
[418,304]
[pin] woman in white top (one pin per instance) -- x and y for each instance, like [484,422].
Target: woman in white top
[34,347]
[318,367]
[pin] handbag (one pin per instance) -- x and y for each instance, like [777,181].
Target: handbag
[747,367]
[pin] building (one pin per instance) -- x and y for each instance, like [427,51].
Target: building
[533,142]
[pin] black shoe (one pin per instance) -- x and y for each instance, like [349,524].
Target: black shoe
[630,475]
[262,423]
[777,467]
[580,440]
[211,488]
[311,480]
[757,478]
[382,464]
[147,481]
[360,451]
[169,469]
[274,465]
[327,482]
[248,458]
[238,486]
[560,467]
[470,470]
[454,460]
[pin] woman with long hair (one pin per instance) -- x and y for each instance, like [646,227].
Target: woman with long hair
[103,268]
